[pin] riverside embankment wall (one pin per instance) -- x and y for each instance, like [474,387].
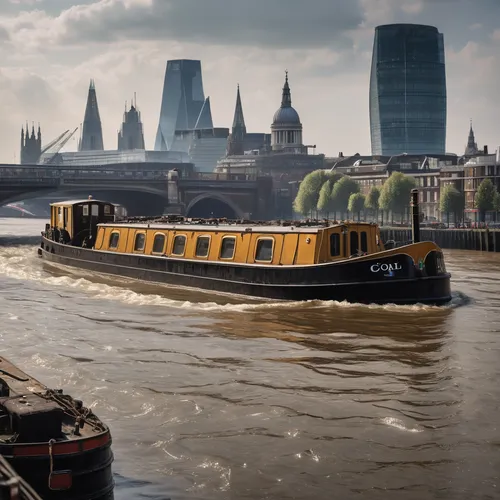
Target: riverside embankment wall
[486,240]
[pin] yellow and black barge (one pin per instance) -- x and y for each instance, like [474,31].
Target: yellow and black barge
[286,260]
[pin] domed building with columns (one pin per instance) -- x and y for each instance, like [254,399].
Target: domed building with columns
[286,129]
[285,158]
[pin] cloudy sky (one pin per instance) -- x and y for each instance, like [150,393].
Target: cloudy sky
[49,50]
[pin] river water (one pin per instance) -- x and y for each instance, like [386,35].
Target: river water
[215,397]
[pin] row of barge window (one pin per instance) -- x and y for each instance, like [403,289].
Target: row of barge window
[263,253]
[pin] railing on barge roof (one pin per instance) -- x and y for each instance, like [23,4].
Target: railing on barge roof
[216,221]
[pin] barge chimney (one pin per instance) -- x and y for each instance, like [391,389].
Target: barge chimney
[415,217]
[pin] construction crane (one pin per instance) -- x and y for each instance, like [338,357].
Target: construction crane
[50,151]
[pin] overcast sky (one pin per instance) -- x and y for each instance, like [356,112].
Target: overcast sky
[50,49]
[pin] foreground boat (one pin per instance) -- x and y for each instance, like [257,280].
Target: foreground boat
[60,448]
[13,486]
[289,261]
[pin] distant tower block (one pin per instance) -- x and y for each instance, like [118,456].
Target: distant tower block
[182,102]
[91,139]
[131,135]
[408,91]
[31,145]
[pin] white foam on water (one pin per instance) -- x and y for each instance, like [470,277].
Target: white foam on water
[23,263]
[399,424]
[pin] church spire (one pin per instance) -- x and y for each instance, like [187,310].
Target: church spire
[236,140]
[238,120]
[471,148]
[286,98]
[92,130]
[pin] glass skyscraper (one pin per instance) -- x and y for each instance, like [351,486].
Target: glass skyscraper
[182,102]
[408,91]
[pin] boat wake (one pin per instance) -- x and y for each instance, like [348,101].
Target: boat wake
[22,263]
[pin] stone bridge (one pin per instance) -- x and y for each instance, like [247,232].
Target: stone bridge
[143,191]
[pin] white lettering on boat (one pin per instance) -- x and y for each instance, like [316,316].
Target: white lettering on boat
[376,268]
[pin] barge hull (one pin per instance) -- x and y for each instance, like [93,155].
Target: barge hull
[433,290]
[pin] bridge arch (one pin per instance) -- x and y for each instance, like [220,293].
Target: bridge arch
[213,205]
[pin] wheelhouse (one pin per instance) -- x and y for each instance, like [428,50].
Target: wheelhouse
[76,221]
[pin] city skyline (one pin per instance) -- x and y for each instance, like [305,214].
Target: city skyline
[331,68]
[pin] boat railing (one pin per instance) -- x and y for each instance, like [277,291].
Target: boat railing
[215,221]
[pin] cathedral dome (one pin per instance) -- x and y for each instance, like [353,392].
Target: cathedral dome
[286,116]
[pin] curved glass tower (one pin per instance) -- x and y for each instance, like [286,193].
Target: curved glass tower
[408,90]
[182,101]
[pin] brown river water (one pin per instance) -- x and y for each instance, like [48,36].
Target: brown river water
[216,397]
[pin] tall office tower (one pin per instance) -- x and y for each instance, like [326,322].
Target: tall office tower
[408,90]
[91,139]
[183,105]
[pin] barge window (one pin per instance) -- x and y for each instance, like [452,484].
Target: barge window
[354,242]
[334,244]
[159,243]
[227,247]
[140,242]
[202,246]
[179,245]
[364,242]
[113,240]
[264,251]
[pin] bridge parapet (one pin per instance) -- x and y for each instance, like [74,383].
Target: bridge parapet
[20,173]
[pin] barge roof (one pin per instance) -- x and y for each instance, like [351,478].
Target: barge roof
[236,227]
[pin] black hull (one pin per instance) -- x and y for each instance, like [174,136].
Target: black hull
[92,477]
[351,281]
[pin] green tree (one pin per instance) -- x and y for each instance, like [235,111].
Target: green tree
[395,195]
[452,201]
[372,199]
[309,189]
[496,205]
[325,200]
[485,198]
[356,203]
[341,192]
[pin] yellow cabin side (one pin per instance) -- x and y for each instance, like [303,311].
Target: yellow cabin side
[252,247]
[214,245]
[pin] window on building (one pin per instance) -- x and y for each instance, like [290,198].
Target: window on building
[202,246]
[334,244]
[179,245]
[364,241]
[159,243]
[114,238]
[140,242]
[227,247]
[264,250]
